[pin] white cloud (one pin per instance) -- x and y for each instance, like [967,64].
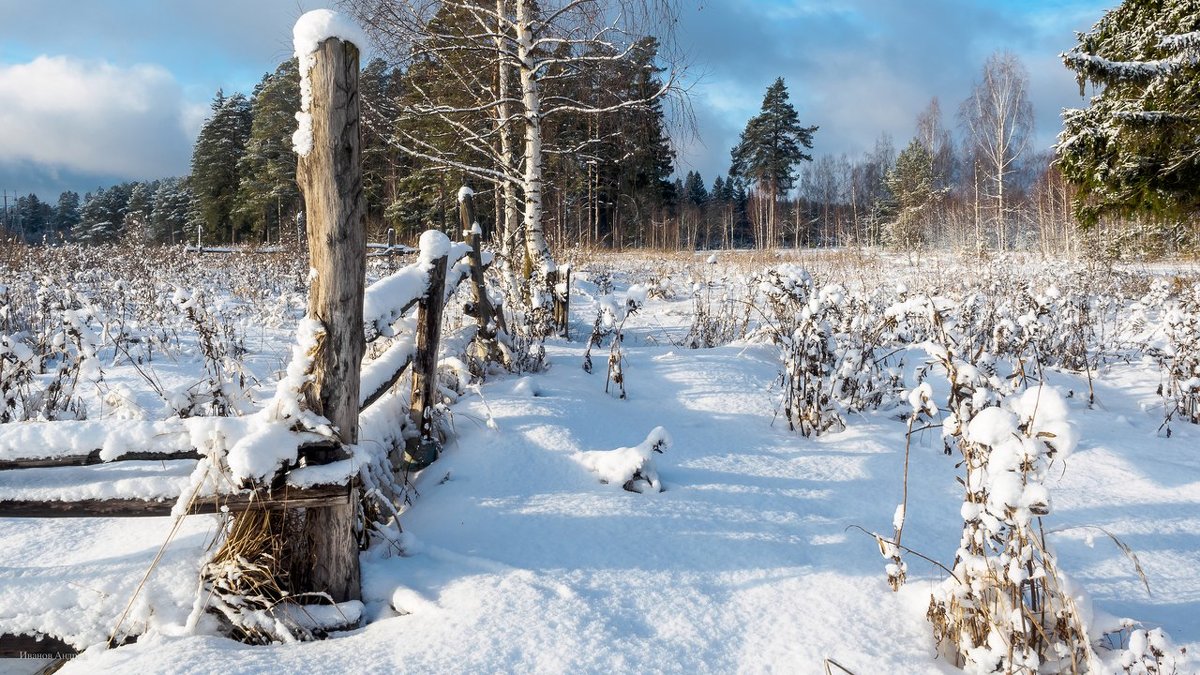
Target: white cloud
[62,113]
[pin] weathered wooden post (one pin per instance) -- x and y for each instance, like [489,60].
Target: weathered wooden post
[487,316]
[330,178]
[422,450]
[560,283]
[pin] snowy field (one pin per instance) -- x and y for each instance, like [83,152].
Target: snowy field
[754,557]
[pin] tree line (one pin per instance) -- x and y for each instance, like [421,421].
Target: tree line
[557,121]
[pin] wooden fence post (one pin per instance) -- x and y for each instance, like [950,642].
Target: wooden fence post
[330,177]
[562,301]
[421,451]
[487,316]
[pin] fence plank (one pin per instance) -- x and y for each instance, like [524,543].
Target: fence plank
[482,306]
[313,453]
[91,459]
[24,646]
[286,498]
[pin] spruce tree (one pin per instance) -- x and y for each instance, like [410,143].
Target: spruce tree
[911,183]
[1136,147]
[215,160]
[102,216]
[693,189]
[267,195]
[171,212]
[66,213]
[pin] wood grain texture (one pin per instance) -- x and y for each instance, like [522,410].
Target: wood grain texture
[330,178]
[283,498]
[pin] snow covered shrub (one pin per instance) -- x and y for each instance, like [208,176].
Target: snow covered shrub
[836,347]
[718,316]
[1007,607]
[632,468]
[16,377]
[46,348]
[1145,652]
[1180,361]
[224,389]
[801,324]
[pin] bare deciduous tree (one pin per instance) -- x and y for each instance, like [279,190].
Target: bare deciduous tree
[511,50]
[997,119]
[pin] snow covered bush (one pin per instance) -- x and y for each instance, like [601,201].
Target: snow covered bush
[801,324]
[1007,606]
[1180,360]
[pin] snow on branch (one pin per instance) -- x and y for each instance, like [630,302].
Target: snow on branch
[1182,41]
[1098,67]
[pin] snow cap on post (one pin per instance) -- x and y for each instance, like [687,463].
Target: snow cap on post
[464,192]
[312,29]
[433,245]
[319,25]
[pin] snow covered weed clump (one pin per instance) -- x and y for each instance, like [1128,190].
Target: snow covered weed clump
[610,322]
[1180,360]
[830,342]
[81,317]
[631,468]
[1008,607]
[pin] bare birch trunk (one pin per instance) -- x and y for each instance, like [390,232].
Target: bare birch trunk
[535,237]
[511,229]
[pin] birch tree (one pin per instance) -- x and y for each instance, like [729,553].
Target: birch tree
[518,49]
[998,122]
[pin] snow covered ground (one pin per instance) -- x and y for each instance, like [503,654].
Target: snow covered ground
[516,557]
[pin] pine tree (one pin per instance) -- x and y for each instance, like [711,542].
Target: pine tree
[66,213]
[102,216]
[770,148]
[911,183]
[215,161]
[171,213]
[1136,147]
[267,195]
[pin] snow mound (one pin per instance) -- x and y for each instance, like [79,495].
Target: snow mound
[632,468]
[433,245]
[317,26]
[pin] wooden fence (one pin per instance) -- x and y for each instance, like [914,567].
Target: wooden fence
[342,383]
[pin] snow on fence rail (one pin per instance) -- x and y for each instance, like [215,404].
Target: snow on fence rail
[44,445]
[300,451]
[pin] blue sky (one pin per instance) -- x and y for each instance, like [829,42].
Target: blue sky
[96,92]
